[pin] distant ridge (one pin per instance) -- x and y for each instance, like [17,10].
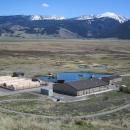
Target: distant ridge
[114,16]
[41,26]
[121,32]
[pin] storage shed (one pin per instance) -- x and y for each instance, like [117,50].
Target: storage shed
[81,87]
[47,91]
[17,74]
[112,79]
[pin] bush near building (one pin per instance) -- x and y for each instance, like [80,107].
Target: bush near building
[121,88]
[125,89]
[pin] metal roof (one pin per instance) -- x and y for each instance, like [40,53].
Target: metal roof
[113,77]
[87,83]
[18,73]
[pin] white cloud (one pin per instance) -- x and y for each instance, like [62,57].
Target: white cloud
[45,5]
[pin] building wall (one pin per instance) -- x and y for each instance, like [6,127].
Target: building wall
[64,88]
[117,80]
[111,81]
[48,92]
[92,90]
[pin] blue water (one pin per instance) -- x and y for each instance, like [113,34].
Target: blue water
[72,76]
[82,66]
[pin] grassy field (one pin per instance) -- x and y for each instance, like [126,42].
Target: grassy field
[125,81]
[19,96]
[37,57]
[95,104]
[115,121]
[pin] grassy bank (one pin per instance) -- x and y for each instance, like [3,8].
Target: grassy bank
[115,121]
[125,81]
[93,104]
[19,96]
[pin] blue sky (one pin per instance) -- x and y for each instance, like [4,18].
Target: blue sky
[66,8]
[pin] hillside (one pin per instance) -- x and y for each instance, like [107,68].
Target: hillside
[28,26]
[121,32]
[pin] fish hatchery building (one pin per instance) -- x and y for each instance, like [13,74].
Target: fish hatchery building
[81,87]
[112,79]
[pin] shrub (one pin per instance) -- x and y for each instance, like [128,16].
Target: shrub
[83,123]
[105,97]
[126,90]
[80,122]
[121,88]
[129,90]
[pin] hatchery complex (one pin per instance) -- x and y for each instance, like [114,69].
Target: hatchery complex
[86,86]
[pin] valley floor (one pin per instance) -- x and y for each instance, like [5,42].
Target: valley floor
[39,57]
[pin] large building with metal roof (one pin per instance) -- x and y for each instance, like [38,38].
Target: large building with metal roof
[81,87]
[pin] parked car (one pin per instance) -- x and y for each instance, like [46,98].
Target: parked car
[124,86]
[118,85]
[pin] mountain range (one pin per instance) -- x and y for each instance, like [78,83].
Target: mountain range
[119,32]
[119,18]
[41,26]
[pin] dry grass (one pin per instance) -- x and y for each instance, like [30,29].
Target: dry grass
[31,123]
[19,96]
[11,122]
[94,105]
[29,55]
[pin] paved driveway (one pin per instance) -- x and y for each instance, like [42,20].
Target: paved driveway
[68,98]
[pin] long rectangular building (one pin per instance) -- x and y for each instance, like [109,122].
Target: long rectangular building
[81,87]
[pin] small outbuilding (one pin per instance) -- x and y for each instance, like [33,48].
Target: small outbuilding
[18,74]
[47,91]
[35,79]
[112,79]
[81,87]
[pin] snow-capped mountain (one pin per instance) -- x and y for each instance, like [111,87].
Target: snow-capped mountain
[43,17]
[114,16]
[85,17]
[42,26]
[117,17]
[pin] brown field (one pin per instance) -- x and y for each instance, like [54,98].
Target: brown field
[29,56]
